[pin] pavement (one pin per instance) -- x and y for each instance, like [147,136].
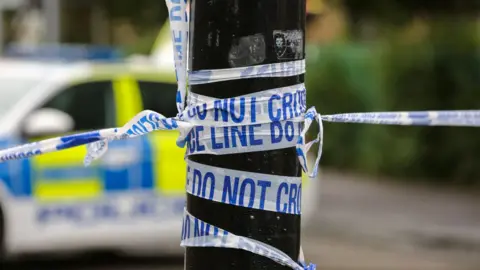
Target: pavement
[365,223]
[360,223]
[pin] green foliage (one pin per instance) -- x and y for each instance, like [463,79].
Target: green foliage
[440,73]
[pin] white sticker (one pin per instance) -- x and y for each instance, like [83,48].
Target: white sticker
[288,44]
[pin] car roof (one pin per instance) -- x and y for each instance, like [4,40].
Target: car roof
[31,69]
[87,70]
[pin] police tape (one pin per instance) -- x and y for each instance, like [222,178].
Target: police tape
[267,106]
[56,144]
[197,233]
[267,192]
[243,139]
[219,136]
[148,121]
[283,69]
[178,18]
[423,118]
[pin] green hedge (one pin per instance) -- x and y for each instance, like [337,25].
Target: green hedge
[440,73]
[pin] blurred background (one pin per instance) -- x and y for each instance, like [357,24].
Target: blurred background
[390,197]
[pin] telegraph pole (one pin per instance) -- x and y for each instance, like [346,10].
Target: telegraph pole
[217,26]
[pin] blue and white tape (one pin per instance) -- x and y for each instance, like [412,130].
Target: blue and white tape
[197,233]
[178,18]
[243,139]
[284,69]
[469,118]
[267,192]
[149,121]
[56,144]
[267,106]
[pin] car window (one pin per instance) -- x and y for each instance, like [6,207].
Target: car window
[159,97]
[90,104]
[12,90]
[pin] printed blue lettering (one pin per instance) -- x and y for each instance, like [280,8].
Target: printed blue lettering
[287,105]
[274,136]
[218,106]
[50,214]
[144,208]
[253,111]
[279,198]
[276,117]
[289,131]
[105,211]
[173,10]
[263,185]
[191,141]
[229,195]
[292,199]
[243,187]
[154,118]
[183,229]
[140,124]
[215,145]
[145,120]
[171,125]
[215,231]
[295,97]
[202,113]
[240,118]
[197,178]
[226,137]
[192,112]
[186,226]
[188,173]
[303,98]
[251,131]
[179,50]
[299,199]
[240,134]
[211,177]
[137,130]
[200,147]
[200,228]
[177,38]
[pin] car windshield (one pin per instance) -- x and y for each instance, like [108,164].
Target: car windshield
[12,90]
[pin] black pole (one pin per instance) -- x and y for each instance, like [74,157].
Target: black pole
[216,27]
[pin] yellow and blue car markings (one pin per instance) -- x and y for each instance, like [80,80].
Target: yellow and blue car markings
[61,176]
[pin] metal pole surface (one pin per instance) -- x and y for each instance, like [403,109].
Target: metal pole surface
[238,33]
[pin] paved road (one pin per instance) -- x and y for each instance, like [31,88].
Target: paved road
[360,224]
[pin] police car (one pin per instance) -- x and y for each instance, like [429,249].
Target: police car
[130,200]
